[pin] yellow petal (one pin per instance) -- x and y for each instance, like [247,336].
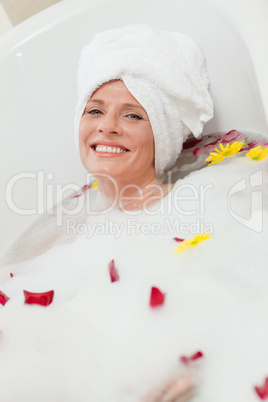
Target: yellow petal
[191,242]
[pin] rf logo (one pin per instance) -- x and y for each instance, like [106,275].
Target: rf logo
[254,222]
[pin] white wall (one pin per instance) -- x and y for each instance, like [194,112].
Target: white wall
[5,23]
[12,12]
[251,16]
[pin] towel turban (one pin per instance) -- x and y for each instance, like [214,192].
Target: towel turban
[166,74]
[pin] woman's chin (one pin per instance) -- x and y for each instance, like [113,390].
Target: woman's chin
[107,171]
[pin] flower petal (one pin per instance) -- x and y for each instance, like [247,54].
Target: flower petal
[191,242]
[113,272]
[258,153]
[195,356]
[263,390]
[157,297]
[223,152]
[44,299]
[190,144]
[3,298]
[177,239]
[231,136]
[85,187]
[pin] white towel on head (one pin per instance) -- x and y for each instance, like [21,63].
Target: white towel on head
[164,71]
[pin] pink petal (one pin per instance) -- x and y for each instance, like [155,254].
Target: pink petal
[44,299]
[263,391]
[157,297]
[113,272]
[76,196]
[85,187]
[3,298]
[195,356]
[178,239]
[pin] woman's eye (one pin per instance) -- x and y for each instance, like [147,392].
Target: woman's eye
[94,111]
[134,116]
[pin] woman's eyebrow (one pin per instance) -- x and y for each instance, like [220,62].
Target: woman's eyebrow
[133,105]
[96,100]
[127,104]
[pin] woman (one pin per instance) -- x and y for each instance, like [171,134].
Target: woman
[133,311]
[169,108]
[135,62]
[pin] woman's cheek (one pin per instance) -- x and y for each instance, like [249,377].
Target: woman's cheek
[82,130]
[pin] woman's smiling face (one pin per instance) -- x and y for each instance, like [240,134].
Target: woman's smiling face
[115,136]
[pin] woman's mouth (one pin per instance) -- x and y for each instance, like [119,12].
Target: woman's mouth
[108,149]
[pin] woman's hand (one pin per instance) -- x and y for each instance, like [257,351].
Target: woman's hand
[178,389]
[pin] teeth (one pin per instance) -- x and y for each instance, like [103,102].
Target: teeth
[114,150]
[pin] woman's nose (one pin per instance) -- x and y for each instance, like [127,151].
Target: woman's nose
[109,124]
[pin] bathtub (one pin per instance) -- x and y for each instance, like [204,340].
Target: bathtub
[38,61]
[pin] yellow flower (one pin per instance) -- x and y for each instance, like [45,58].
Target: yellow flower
[191,242]
[95,184]
[224,152]
[258,153]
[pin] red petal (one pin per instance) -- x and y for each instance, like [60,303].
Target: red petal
[190,144]
[231,136]
[206,149]
[253,144]
[113,272]
[76,196]
[44,299]
[263,391]
[85,187]
[249,146]
[11,274]
[245,149]
[195,356]
[178,239]
[211,143]
[157,297]
[3,298]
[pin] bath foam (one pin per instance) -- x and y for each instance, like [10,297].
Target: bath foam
[101,341]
